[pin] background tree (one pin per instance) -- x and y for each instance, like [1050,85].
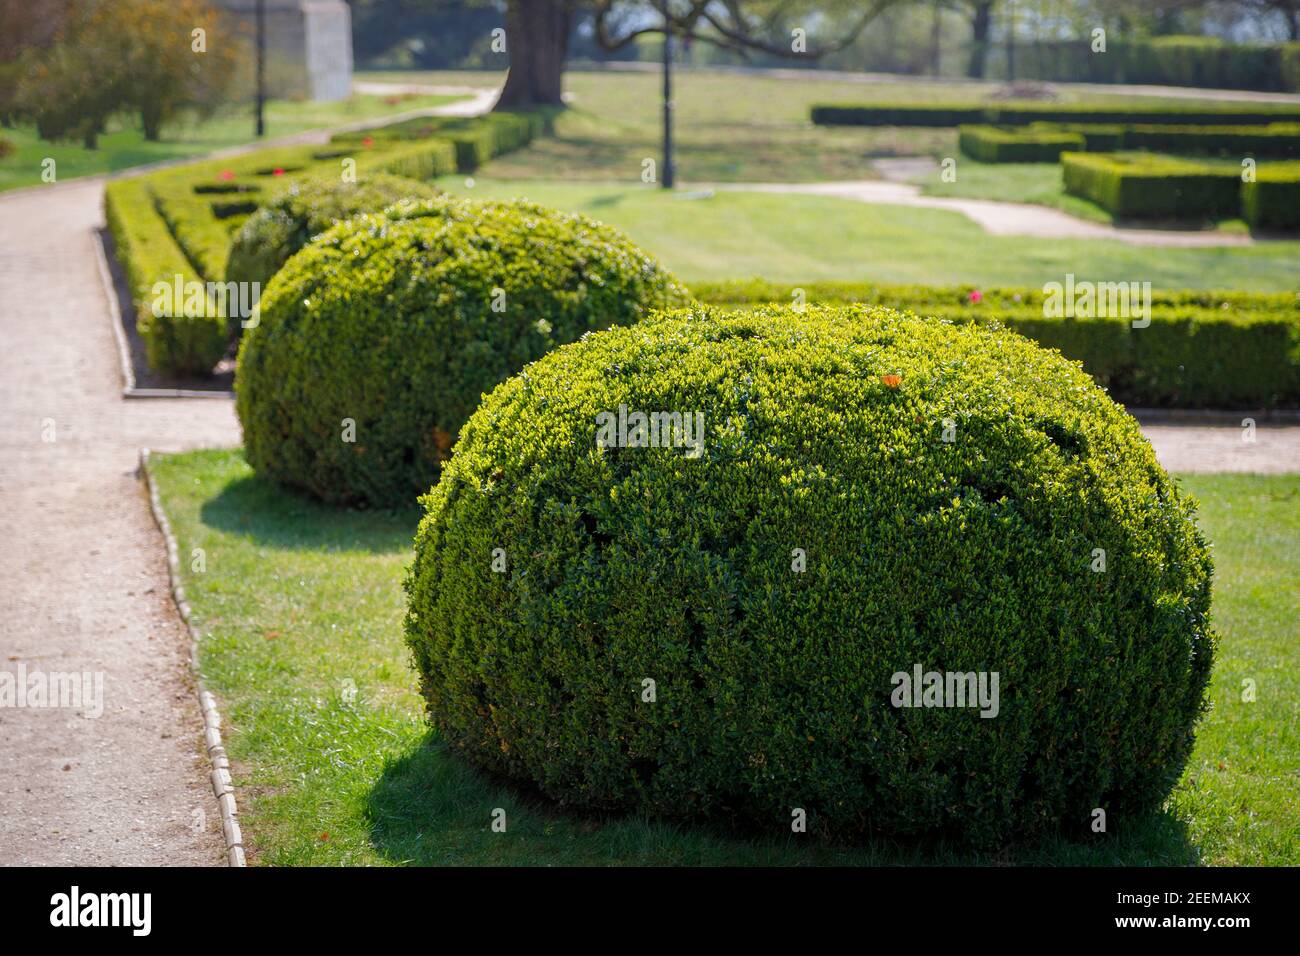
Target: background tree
[981,27]
[29,27]
[126,56]
[161,75]
[537,40]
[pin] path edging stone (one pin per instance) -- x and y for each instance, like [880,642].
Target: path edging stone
[223,787]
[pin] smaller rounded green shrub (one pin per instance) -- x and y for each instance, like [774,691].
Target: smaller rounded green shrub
[307,208]
[378,339]
[710,610]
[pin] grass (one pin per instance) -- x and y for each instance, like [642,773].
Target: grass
[301,604]
[802,238]
[124,145]
[730,127]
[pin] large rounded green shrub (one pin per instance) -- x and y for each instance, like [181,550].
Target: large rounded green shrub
[377,341]
[284,225]
[874,492]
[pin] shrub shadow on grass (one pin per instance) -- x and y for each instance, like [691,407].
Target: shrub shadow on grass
[430,808]
[277,517]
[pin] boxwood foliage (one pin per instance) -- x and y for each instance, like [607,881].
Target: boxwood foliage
[392,326]
[310,206]
[823,431]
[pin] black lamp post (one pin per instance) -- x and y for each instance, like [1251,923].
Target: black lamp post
[667,178]
[261,67]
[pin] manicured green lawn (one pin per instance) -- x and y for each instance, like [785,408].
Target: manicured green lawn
[125,146]
[801,238]
[300,604]
[729,127]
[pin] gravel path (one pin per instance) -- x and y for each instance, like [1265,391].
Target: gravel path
[83,568]
[997,218]
[1193,446]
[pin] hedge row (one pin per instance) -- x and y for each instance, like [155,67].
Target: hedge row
[988,144]
[1025,114]
[1163,61]
[1159,187]
[1202,349]
[936,114]
[1277,139]
[199,207]
[174,343]
[474,140]
[1272,201]
[1040,142]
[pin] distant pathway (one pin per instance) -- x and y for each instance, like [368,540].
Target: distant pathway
[996,218]
[1197,446]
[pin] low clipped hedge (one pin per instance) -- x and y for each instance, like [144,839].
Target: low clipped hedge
[398,323]
[1020,114]
[1097,137]
[775,688]
[1023,114]
[1151,187]
[197,207]
[287,222]
[1272,201]
[472,140]
[988,144]
[175,343]
[419,161]
[937,114]
[1278,139]
[1203,349]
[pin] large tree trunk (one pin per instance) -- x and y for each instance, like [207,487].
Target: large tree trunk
[981,26]
[537,40]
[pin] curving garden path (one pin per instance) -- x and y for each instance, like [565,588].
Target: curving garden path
[83,573]
[996,217]
[83,569]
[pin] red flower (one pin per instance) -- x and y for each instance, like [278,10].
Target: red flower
[368,142]
[975,296]
[227,174]
[277,172]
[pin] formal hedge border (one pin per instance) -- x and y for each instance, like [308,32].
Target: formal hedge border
[954,114]
[1201,350]
[1272,201]
[180,220]
[992,144]
[1153,187]
[988,144]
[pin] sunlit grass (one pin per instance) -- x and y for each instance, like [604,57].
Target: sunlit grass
[800,238]
[301,605]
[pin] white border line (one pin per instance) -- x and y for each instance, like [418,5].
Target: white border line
[222,786]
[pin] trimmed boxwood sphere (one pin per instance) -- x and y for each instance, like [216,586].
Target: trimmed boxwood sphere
[874,492]
[284,225]
[388,329]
